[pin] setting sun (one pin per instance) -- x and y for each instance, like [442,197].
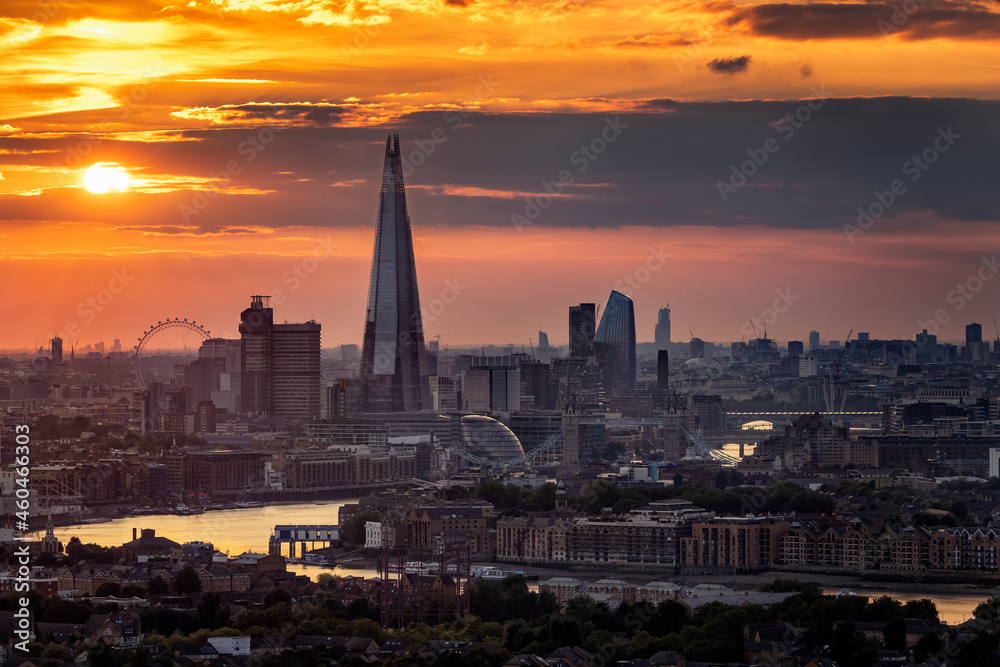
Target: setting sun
[105,176]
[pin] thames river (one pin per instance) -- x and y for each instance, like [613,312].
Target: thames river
[236,531]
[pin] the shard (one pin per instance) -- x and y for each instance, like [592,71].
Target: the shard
[393,363]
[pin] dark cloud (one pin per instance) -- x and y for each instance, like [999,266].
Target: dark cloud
[730,65]
[458,3]
[663,169]
[316,114]
[806,70]
[827,20]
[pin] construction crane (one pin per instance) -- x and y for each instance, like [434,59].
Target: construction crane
[835,376]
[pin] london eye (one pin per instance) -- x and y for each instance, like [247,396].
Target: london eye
[173,334]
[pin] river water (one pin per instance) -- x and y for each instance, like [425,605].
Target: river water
[239,530]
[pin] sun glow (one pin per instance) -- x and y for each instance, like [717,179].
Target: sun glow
[104,177]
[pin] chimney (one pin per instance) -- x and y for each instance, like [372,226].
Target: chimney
[134,536]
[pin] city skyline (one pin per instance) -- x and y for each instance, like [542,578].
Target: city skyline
[834,155]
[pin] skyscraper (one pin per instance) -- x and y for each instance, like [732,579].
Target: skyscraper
[614,343]
[662,331]
[295,373]
[393,362]
[813,340]
[56,350]
[256,360]
[582,320]
[279,364]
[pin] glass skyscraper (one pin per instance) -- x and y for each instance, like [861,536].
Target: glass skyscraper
[614,343]
[393,362]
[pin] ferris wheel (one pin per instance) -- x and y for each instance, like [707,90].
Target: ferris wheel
[173,333]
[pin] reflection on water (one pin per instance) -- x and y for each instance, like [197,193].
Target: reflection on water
[953,608]
[230,531]
[239,530]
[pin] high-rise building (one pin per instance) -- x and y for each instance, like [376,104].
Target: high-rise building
[813,341]
[279,364]
[227,349]
[697,350]
[662,370]
[795,348]
[296,370]
[256,359]
[973,333]
[614,343]
[56,350]
[662,331]
[582,320]
[393,363]
[543,339]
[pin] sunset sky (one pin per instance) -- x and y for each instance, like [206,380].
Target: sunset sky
[252,133]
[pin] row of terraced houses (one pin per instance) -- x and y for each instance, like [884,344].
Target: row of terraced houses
[677,535]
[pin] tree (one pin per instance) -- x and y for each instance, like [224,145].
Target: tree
[158,586]
[959,509]
[187,581]
[894,634]
[133,591]
[275,596]
[922,608]
[46,559]
[108,588]
[928,645]
[354,530]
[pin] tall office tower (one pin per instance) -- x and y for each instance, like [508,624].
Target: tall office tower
[662,370]
[795,348]
[256,359]
[279,364]
[697,348]
[582,319]
[926,348]
[813,340]
[662,331]
[393,364]
[543,339]
[295,370]
[56,350]
[973,333]
[227,349]
[614,343]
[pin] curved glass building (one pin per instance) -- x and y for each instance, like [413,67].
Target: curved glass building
[489,439]
[614,343]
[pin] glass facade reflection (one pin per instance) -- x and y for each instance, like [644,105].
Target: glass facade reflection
[614,343]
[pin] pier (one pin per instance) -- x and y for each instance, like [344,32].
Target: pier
[326,535]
